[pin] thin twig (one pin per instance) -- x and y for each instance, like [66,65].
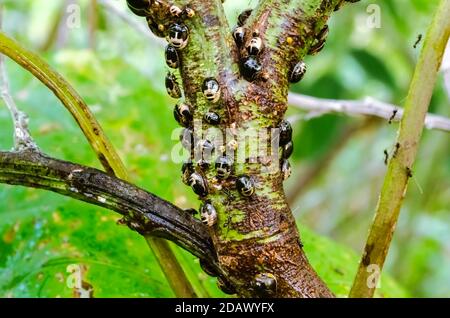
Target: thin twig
[369,106]
[22,136]
[400,166]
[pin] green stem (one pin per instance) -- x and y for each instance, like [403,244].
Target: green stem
[99,142]
[400,166]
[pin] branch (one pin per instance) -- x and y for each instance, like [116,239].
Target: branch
[369,106]
[400,166]
[143,212]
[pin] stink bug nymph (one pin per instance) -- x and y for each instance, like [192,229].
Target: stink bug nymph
[182,114]
[255,46]
[242,18]
[172,59]
[198,184]
[187,169]
[298,72]
[175,11]
[208,214]
[187,139]
[172,87]
[206,148]
[245,185]
[212,118]
[288,149]
[285,169]
[265,284]
[211,89]
[285,130]
[238,35]
[250,68]
[223,167]
[178,35]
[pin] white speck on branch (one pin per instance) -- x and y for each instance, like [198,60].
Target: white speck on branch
[22,136]
[369,107]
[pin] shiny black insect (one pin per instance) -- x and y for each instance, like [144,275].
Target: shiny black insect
[172,87]
[287,150]
[320,41]
[265,284]
[255,46]
[187,139]
[212,118]
[242,18]
[238,35]
[298,72]
[198,184]
[285,168]
[285,130]
[207,268]
[175,11]
[138,7]
[211,89]
[223,167]
[182,114]
[245,185]
[208,214]
[172,59]
[203,164]
[178,35]
[187,169]
[250,68]
[205,148]
[225,287]
[155,28]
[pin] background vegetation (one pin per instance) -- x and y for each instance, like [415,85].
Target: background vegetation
[120,73]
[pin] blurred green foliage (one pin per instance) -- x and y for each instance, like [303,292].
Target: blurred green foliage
[122,81]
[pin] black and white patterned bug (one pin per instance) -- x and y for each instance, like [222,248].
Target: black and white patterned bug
[187,139]
[223,167]
[255,46]
[208,214]
[265,284]
[178,35]
[187,169]
[298,72]
[198,184]
[172,59]
[243,16]
[285,168]
[139,7]
[285,131]
[250,68]
[245,186]
[212,118]
[182,114]
[287,150]
[238,35]
[172,87]
[211,89]
[205,149]
[320,41]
